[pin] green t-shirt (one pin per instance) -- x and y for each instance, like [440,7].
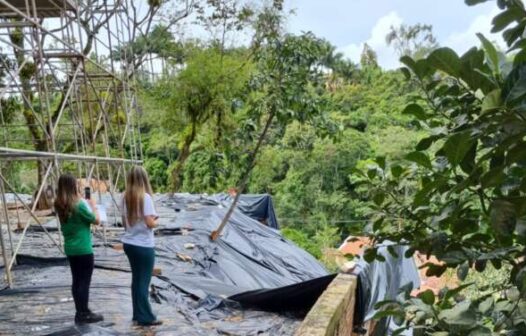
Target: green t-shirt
[76,231]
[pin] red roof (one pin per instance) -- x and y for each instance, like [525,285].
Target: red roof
[355,245]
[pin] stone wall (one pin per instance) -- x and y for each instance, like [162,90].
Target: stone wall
[332,315]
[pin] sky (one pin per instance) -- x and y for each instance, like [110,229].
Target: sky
[348,24]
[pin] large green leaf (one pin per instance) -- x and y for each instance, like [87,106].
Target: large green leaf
[447,60]
[416,111]
[380,160]
[492,101]
[515,33]
[422,197]
[461,316]
[514,88]
[457,146]
[379,198]
[520,57]
[435,270]
[420,68]
[485,305]
[454,257]
[409,62]
[503,217]
[396,171]
[475,73]
[493,178]
[427,142]
[420,158]
[491,52]
[517,153]
[428,297]
[468,163]
[505,18]
[462,271]
[451,293]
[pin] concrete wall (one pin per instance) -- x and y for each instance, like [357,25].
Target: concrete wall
[332,315]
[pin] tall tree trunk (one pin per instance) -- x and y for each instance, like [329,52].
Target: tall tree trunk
[183,155]
[37,135]
[244,178]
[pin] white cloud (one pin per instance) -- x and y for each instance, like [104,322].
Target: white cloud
[463,41]
[387,58]
[459,41]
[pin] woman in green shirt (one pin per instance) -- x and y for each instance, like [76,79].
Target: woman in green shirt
[75,220]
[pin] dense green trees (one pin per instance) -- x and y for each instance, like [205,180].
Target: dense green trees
[306,167]
[461,193]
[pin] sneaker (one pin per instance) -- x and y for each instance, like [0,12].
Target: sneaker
[89,317]
[150,324]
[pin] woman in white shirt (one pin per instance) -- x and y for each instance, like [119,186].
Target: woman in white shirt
[139,220]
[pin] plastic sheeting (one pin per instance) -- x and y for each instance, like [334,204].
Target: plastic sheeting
[42,305]
[248,256]
[258,207]
[296,297]
[381,281]
[191,295]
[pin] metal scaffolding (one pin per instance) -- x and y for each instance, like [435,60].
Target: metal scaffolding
[67,100]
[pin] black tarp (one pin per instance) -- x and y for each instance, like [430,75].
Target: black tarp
[198,277]
[256,206]
[296,297]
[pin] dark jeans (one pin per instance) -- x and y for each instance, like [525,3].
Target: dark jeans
[81,271]
[141,262]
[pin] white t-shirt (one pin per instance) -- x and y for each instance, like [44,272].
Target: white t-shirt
[139,234]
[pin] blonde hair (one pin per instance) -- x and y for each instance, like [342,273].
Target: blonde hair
[137,184]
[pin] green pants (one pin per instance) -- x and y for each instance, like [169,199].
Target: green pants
[141,262]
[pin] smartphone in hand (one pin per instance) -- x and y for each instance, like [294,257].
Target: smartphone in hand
[87,193]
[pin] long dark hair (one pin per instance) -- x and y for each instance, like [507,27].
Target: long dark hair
[137,184]
[67,197]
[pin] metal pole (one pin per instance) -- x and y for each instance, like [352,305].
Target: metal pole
[6,215]
[12,153]
[6,260]
[100,200]
[2,241]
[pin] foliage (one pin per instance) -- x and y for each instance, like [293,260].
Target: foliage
[221,17]
[159,41]
[306,172]
[369,58]
[326,236]
[461,192]
[415,41]
[208,86]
